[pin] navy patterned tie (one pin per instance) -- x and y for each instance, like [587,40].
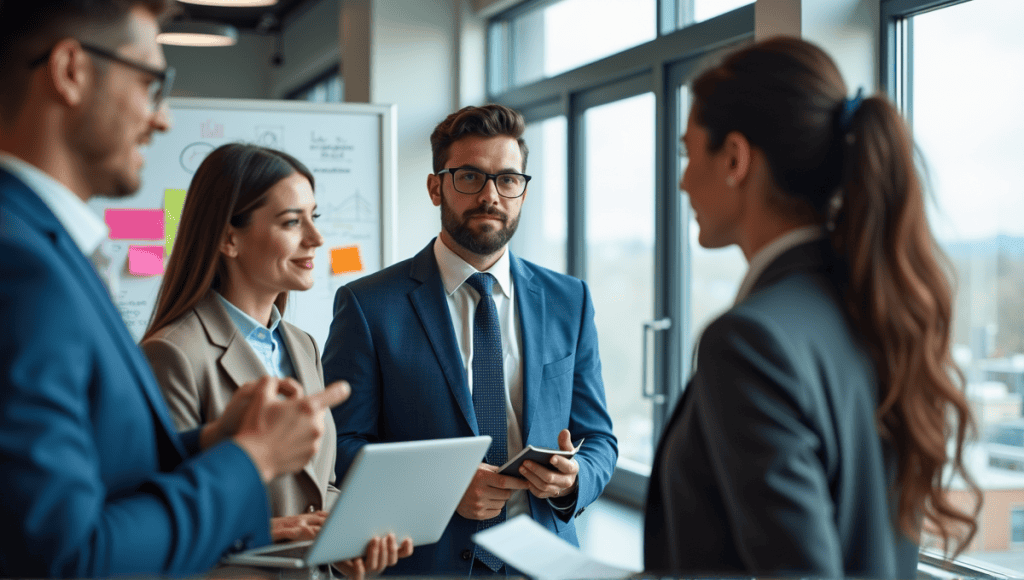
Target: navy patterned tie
[489,390]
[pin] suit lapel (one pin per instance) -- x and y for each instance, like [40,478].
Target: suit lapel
[531,308]
[431,306]
[303,361]
[99,297]
[238,361]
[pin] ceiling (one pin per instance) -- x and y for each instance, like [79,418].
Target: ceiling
[244,19]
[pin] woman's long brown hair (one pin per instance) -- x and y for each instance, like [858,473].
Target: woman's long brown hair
[229,185]
[787,98]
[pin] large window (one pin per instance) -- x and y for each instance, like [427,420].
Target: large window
[602,85]
[963,101]
[542,39]
[543,235]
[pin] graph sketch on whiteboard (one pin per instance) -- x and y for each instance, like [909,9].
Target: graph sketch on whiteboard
[270,136]
[356,208]
[192,155]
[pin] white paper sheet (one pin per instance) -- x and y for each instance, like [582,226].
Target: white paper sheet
[538,553]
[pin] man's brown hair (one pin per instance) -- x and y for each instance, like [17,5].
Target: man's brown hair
[485,121]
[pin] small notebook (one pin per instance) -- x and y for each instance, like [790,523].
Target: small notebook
[541,455]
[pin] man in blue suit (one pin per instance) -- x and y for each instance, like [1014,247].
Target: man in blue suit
[426,360]
[95,480]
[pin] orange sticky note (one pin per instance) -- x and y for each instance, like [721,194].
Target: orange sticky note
[345,260]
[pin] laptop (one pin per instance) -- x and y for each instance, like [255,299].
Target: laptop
[408,488]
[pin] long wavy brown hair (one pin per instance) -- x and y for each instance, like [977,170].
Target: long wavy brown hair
[787,97]
[229,185]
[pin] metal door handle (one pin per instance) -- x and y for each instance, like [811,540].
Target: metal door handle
[651,327]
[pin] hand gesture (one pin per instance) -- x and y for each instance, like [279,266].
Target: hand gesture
[488,493]
[281,436]
[543,482]
[227,424]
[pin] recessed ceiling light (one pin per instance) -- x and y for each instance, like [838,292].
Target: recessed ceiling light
[198,34]
[240,3]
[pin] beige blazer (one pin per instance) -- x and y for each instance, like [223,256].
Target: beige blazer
[200,360]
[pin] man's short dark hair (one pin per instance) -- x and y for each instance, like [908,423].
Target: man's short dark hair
[28,28]
[485,121]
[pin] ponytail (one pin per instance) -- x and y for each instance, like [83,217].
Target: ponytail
[900,300]
[849,165]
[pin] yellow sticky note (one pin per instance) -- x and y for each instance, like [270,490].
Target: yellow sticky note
[174,201]
[345,260]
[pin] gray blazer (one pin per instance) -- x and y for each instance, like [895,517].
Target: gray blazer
[200,360]
[772,464]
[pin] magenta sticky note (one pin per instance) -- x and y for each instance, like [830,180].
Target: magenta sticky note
[146,260]
[135,224]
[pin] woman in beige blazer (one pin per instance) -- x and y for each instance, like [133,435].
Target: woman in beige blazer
[246,239]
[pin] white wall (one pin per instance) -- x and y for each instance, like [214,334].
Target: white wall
[847,29]
[426,57]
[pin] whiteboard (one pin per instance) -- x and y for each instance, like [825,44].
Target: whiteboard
[350,149]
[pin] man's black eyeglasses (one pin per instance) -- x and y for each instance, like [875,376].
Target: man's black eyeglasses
[472,181]
[159,87]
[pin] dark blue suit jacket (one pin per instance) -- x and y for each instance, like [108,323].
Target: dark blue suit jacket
[392,339]
[772,463]
[95,480]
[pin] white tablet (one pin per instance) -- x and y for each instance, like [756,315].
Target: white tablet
[410,489]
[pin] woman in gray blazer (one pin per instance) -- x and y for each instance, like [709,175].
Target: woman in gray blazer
[811,439]
[246,239]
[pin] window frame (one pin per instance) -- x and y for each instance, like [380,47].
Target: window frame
[895,72]
[323,78]
[658,66]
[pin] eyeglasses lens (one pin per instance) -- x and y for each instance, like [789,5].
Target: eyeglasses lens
[508,184]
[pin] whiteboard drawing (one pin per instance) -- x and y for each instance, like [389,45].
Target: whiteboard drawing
[192,155]
[356,209]
[270,136]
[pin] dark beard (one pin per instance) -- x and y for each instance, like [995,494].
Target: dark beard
[484,243]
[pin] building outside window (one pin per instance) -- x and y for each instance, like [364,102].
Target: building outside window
[962,99]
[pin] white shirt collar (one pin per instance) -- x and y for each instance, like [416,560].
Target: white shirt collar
[455,271]
[772,250]
[86,228]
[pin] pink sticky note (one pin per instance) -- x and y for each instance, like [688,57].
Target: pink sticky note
[135,224]
[146,260]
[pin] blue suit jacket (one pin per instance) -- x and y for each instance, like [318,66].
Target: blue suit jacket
[772,463]
[392,339]
[95,481]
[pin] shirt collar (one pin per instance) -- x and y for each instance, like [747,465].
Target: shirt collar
[247,324]
[763,258]
[455,271]
[86,228]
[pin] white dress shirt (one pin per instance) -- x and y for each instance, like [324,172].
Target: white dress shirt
[86,228]
[772,250]
[462,301]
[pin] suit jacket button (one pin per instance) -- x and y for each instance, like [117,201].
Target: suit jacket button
[467,554]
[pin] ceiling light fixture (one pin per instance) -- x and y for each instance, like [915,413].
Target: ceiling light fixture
[198,34]
[239,3]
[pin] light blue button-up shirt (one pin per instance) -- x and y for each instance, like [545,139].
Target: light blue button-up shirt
[267,343]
